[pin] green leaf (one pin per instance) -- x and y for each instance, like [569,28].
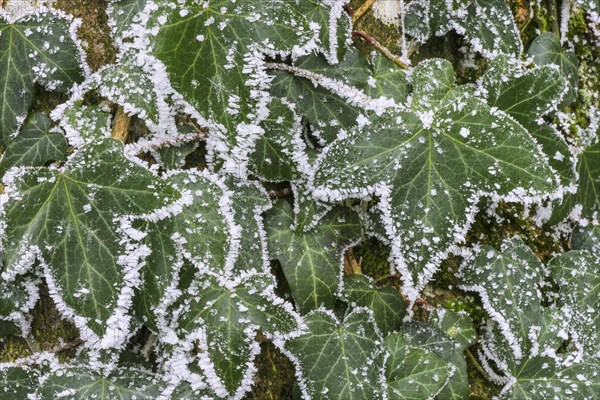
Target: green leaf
[308,211]
[311,261]
[338,359]
[207,49]
[69,220]
[123,14]
[325,111]
[80,383]
[413,372]
[173,156]
[224,317]
[389,80]
[458,325]
[545,50]
[586,238]
[491,29]
[584,204]
[199,232]
[34,146]
[83,124]
[17,382]
[432,339]
[35,48]
[17,299]
[279,154]
[577,274]
[507,282]
[386,303]
[429,168]
[526,95]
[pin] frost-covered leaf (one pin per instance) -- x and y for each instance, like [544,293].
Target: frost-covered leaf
[488,25]
[34,145]
[311,261]
[173,157]
[587,238]
[386,303]
[545,50]
[584,204]
[507,282]
[223,317]
[325,110]
[339,359]
[200,232]
[17,382]
[279,154]
[82,383]
[69,220]
[212,51]
[122,16]
[490,28]
[577,274]
[429,168]
[17,299]
[38,48]
[388,80]
[90,123]
[457,325]
[526,95]
[413,371]
[308,211]
[432,339]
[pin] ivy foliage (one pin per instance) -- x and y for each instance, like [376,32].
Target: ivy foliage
[258,146]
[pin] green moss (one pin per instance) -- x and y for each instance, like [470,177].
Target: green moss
[94,31]
[275,377]
[375,256]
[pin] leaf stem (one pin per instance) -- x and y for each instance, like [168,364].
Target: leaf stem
[476,364]
[553,10]
[366,6]
[386,52]
[121,125]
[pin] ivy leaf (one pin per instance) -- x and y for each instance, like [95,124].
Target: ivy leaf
[79,383]
[413,372]
[123,14]
[584,204]
[431,339]
[311,261]
[491,29]
[279,154]
[173,157]
[232,36]
[577,274]
[308,211]
[386,303]
[507,282]
[429,168]
[587,238]
[326,111]
[17,299]
[83,124]
[34,146]
[224,316]
[545,50]
[457,325]
[388,80]
[526,95]
[69,220]
[200,232]
[352,348]
[35,48]
[17,382]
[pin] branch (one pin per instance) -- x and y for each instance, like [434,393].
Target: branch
[386,52]
[121,125]
[362,10]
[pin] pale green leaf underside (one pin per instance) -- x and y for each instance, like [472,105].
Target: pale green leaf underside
[36,48]
[339,360]
[311,261]
[69,216]
[34,145]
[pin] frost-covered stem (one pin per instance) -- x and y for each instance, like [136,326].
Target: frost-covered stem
[476,364]
[565,14]
[362,10]
[384,50]
[553,10]
[121,125]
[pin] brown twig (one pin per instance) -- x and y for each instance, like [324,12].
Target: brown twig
[384,50]
[121,125]
[351,266]
[366,6]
